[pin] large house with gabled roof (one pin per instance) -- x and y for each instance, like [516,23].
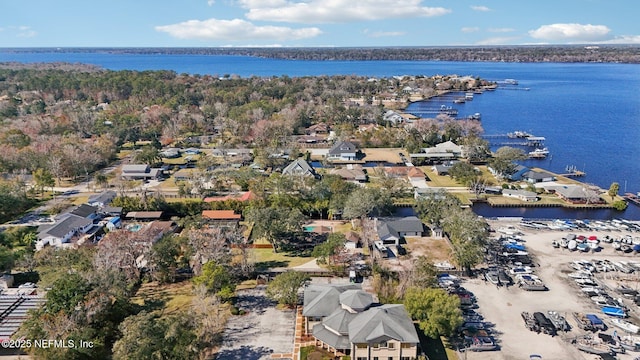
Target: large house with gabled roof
[300,167]
[343,151]
[345,320]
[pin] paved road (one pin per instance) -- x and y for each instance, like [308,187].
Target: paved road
[259,333]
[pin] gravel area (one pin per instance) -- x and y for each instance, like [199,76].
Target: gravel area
[262,331]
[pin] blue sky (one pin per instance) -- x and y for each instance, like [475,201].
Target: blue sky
[188,23]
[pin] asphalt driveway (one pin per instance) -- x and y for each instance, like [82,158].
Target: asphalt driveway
[262,331]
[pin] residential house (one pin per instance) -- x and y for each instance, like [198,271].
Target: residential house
[443,169]
[144,215]
[221,217]
[139,172]
[300,167]
[114,223]
[574,194]
[415,173]
[246,196]
[185,174]
[351,173]
[343,151]
[391,231]
[60,233]
[345,320]
[392,117]
[170,153]
[318,129]
[528,196]
[441,152]
[517,173]
[86,211]
[102,199]
[534,176]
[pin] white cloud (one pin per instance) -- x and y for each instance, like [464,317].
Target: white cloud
[336,11]
[480,8]
[500,30]
[25,32]
[498,41]
[470,29]
[211,2]
[377,34]
[235,30]
[570,32]
[624,39]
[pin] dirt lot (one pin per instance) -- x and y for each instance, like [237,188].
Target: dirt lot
[261,332]
[503,306]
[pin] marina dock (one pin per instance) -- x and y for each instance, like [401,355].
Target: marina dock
[633,198]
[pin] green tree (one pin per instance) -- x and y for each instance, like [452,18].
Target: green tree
[468,234]
[148,155]
[464,173]
[43,179]
[326,250]
[274,223]
[217,279]
[437,312]
[146,336]
[66,294]
[434,207]
[613,190]
[503,159]
[284,287]
[165,255]
[366,201]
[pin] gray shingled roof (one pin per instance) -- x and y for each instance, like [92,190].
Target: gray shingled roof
[84,210]
[299,167]
[323,300]
[357,300]
[382,323]
[65,225]
[394,227]
[342,147]
[339,321]
[328,337]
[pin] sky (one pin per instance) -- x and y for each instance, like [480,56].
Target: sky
[316,23]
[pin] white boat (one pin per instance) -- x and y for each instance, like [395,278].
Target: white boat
[580,274]
[572,245]
[563,243]
[625,325]
[521,270]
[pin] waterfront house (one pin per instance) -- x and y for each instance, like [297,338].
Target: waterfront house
[345,320]
[575,194]
[517,173]
[443,169]
[343,151]
[534,176]
[392,117]
[523,195]
[447,150]
[300,167]
[391,231]
[139,172]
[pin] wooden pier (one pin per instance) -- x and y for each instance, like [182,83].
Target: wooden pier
[633,198]
[576,173]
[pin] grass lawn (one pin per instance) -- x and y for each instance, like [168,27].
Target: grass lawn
[435,249]
[168,298]
[266,258]
[438,180]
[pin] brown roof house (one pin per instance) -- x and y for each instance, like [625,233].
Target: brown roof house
[221,217]
[345,320]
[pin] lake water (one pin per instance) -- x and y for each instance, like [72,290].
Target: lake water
[588,113]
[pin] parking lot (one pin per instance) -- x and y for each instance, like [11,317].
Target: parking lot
[502,306]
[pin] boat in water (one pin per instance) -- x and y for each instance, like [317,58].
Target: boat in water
[539,153]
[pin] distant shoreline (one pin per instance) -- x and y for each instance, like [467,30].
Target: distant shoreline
[629,54]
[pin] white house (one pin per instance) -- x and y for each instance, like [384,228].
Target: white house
[523,195]
[343,150]
[62,231]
